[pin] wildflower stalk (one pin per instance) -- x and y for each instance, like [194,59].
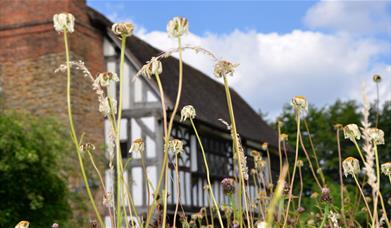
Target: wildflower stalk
[118,148]
[236,148]
[165,150]
[375,200]
[73,132]
[384,210]
[294,166]
[178,192]
[178,98]
[341,179]
[363,196]
[325,214]
[359,150]
[314,152]
[276,195]
[207,173]
[309,162]
[279,144]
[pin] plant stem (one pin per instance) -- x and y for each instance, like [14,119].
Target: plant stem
[236,148]
[178,193]
[117,142]
[341,180]
[375,200]
[73,132]
[207,173]
[363,196]
[326,212]
[294,167]
[170,124]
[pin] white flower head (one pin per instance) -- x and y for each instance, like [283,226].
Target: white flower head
[105,78]
[64,21]
[376,135]
[108,106]
[299,103]
[188,112]
[223,68]
[154,66]
[137,146]
[177,26]
[264,146]
[351,132]
[87,147]
[351,166]
[386,168]
[176,146]
[283,137]
[122,29]
[23,224]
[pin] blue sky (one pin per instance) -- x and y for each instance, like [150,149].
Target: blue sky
[322,50]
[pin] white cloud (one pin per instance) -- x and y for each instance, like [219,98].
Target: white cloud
[351,16]
[275,67]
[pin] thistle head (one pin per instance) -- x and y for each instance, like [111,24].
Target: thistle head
[223,68]
[325,195]
[22,224]
[351,132]
[228,186]
[351,166]
[177,27]
[376,78]
[137,146]
[187,112]
[122,29]
[176,146]
[386,168]
[299,103]
[64,22]
[376,136]
[105,78]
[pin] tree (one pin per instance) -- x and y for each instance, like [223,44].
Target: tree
[31,185]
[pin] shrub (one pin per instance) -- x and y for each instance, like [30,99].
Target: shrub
[31,186]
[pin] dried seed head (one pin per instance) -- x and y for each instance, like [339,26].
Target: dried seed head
[87,147]
[264,146]
[177,27]
[105,78]
[351,166]
[299,163]
[325,196]
[351,132]
[223,68]
[299,103]
[93,223]
[283,137]
[64,22]
[227,210]
[152,67]
[338,126]
[376,78]
[176,146]
[122,29]
[105,108]
[228,186]
[22,224]
[137,146]
[386,168]
[188,112]
[255,154]
[376,135]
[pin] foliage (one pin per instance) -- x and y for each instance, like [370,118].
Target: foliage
[321,124]
[31,187]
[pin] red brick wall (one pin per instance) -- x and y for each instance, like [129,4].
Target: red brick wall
[30,51]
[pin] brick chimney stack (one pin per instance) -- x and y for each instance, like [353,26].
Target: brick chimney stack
[30,51]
